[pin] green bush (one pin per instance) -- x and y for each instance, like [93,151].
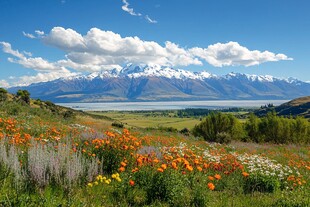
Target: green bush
[118,124]
[261,183]
[219,127]
[170,187]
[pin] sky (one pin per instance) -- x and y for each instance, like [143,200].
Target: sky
[42,40]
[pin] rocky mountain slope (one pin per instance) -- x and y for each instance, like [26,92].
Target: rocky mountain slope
[158,83]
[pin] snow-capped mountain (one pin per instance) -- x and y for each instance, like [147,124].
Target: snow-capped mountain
[155,82]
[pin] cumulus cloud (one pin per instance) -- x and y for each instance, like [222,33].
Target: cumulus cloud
[233,54]
[126,8]
[36,63]
[46,71]
[42,77]
[99,50]
[152,21]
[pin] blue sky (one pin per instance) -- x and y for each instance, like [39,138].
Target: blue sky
[45,40]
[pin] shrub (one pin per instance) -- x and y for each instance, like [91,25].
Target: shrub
[261,183]
[185,131]
[118,124]
[215,124]
[168,186]
[3,94]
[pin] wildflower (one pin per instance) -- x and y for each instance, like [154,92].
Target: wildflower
[131,182]
[210,177]
[245,174]
[174,165]
[217,176]
[160,170]
[123,164]
[211,186]
[189,168]
[96,183]
[121,169]
[199,168]
[118,179]
[90,185]
[164,166]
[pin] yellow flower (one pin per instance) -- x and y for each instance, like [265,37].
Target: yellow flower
[96,183]
[90,185]
[118,179]
[113,176]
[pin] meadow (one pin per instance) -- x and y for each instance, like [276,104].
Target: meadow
[53,158]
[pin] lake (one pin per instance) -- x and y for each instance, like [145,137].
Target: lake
[169,105]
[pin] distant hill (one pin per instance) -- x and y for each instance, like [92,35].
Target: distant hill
[296,107]
[161,83]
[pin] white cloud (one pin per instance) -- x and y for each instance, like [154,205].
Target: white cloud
[42,77]
[233,54]
[4,84]
[39,33]
[102,49]
[36,63]
[150,20]
[99,50]
[126,8]
[7,48]
[31,36]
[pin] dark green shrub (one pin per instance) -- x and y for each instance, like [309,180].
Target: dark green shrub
[185,131]
[24,96]
[68,115]
[118,124]
[3,94]
[261,183]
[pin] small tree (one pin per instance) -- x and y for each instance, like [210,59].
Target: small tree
[24,95]
[219,127]
[3,94]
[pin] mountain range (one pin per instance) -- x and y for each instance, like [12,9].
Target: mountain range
[159,83]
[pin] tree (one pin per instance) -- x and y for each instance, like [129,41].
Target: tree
[24,95]
[219,127]
[252,128]
[3,94]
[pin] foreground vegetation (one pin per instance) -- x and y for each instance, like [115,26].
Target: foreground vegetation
[49,160]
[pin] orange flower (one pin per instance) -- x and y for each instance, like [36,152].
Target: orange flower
[121,169]
[245,174]
[156,160]
[210,177]
[199,168]
[135,170]
[211,186]
[217,176]
[131,182]
[174,165]
[189,168]
[123,164]
[164,166]
[160,170]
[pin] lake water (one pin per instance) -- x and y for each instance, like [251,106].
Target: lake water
[169,105]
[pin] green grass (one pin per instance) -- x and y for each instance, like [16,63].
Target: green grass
[150,120]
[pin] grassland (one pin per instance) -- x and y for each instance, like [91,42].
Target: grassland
[150,119]
[49,157]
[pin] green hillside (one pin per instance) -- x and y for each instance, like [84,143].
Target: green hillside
[296,107]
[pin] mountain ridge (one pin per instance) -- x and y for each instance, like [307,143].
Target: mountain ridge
[162,83]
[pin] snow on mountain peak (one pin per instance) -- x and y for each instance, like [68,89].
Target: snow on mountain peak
[155,70]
